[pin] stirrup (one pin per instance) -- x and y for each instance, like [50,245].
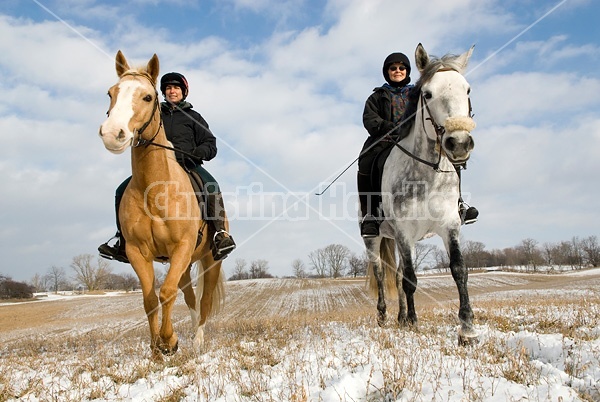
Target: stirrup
[369,227]
[468,214]
[113,252]
[223,251]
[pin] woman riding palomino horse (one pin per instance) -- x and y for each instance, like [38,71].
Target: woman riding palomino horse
[159,214]
[420,188]
[384,112]
[189,133]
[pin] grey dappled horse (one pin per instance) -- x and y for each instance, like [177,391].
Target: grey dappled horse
[420,187]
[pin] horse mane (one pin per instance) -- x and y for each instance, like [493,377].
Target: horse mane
[140,71]
[435,64]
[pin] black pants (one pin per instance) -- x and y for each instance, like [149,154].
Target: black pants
[368,182]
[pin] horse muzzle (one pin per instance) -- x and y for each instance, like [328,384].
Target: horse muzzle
[458,142]
[115,141]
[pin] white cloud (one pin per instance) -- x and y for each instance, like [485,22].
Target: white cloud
[287,111]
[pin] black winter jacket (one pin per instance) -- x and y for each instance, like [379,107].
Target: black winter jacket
[187,130]
[377,116]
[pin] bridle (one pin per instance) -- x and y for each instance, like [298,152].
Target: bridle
[142,141]
[440,131]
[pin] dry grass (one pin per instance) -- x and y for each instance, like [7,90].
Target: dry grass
[283,332]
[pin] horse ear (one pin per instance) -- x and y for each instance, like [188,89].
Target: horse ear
[153,67]
[121,63]
[421,57]
[463,59]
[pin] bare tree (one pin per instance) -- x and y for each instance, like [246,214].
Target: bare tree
[318,262]
[530,255]
[259,269]
[442,260]
[38,282]
[422,252]
[239,270]
[576,257]
[548,253]
[591,250]
[473,253]
[357,265]
[56,278]
[298,268]
[88,274]
[129,282]
[335,256]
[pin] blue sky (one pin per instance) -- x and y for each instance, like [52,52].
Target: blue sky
[282,85]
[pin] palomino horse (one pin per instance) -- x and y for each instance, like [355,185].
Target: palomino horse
[421,189]
[160,217]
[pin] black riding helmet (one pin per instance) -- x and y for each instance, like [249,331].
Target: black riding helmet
[174,79]
[396,58]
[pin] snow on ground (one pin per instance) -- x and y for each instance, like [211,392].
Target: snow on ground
[331,360]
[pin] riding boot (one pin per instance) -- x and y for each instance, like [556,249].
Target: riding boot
[117,250]
[468,214]
[223,243]
[369,200]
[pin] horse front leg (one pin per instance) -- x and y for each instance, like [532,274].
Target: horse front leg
[145,273]
[406,282]
[377,278]
[466,334]
[168,293]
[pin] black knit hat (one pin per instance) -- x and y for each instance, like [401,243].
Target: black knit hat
[174,79]
[396,58]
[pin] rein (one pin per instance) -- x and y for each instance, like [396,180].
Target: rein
[142,141]
[439,130]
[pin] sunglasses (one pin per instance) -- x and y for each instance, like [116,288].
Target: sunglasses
[399,68]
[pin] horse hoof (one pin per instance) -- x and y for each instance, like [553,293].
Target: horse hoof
[170,351]
[468,338]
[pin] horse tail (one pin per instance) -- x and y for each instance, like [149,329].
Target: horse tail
[218,299]
[387,257]
[219,295]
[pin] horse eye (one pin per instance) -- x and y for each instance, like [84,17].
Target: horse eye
[147,98]
[427,95]
[469,91]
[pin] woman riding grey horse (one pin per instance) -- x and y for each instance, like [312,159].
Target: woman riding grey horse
[383,113]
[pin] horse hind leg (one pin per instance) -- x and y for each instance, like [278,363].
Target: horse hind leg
[186,286]
[210,295]
[382,264]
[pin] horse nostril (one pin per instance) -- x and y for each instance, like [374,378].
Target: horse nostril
[450,144]
[121,134]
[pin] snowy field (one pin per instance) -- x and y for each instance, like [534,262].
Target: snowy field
[316,340]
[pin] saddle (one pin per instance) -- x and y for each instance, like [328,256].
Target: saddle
[198,186]
[201,197]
